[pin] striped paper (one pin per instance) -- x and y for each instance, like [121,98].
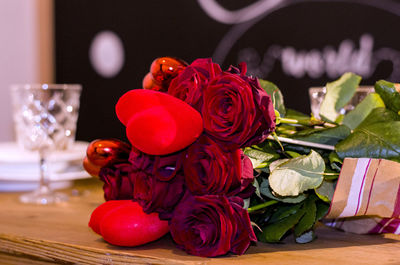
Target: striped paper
[367,197]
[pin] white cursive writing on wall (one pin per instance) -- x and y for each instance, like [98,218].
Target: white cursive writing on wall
[333,62]
[330,61]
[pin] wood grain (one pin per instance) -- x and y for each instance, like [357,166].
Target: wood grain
[60,234]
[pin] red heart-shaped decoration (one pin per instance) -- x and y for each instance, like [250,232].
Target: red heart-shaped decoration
[123,223]
[129,226]
[102,210]
[135,101]
[157,123]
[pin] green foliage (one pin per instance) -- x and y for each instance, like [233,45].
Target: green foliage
[389,93]
[362,110]
[266,191]
[260,158]
[295,185]
[296,175]
[307,221]
[338,94]
[275,231]
[329,136]
[326,190]
[378,140]
[276,96]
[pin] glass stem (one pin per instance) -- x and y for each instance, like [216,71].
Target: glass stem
[44,173]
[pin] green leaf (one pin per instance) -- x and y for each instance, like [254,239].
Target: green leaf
[330,136]
[380,115]
[296,115]
[275,231]
[326,190]
[284,211]
[362,110]
[293,154]
[276,96]
[259,158]
[389,93]
[308,220]
[330,174]
[276,163]
[377,136]
[335,161]
[377,140]
[322,209]
[266,191]
[297,175]
[257,186]
[338,94]
[307,237]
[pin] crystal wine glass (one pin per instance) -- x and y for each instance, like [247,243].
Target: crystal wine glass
[45,117]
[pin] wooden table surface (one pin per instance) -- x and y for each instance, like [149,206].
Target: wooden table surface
[31,234]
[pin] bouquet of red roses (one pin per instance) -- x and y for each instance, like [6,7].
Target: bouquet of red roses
[187,129]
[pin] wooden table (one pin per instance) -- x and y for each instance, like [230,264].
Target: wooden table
[31,234]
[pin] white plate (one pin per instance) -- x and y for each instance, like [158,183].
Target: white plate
[19,169]
[10,152]
[25,183]
[14,186]
[70,173]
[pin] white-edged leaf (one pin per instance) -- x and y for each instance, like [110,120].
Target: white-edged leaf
[266,191]
[297,175]
[276,163]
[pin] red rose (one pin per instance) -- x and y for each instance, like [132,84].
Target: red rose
[118,182]
[236,111]
[246,180]
[189,84]
[243,232]
[211,225]
[158,182]
[209,169]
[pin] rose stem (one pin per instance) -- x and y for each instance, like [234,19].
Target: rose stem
[303,143]
[261,206]
[308,122]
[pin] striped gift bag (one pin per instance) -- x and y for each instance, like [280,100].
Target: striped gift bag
[367,197]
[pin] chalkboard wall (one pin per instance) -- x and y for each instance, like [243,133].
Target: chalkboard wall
[108,46]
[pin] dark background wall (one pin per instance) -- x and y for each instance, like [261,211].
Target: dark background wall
[108,46]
